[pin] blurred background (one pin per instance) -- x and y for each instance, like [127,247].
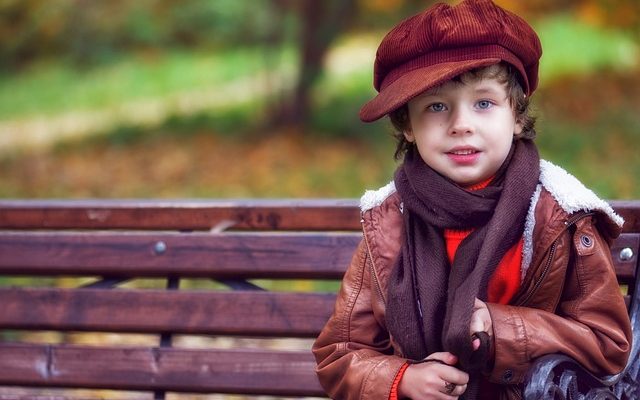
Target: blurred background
[260,98]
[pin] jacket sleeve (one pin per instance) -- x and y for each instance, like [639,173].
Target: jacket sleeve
[590,323]
[353,351]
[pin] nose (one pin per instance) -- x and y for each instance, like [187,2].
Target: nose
[461,122]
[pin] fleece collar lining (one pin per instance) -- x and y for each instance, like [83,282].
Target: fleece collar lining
[567,190]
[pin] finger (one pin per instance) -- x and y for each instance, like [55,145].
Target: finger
[477,323]
[480,319]
[444,356]
[453,390]
[462,389]
[459,390]
[478,304]
[454,375]
[449,388]
[476,344]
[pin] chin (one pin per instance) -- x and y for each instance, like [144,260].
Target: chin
[465,182]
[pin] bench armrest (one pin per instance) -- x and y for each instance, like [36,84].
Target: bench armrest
[556,376]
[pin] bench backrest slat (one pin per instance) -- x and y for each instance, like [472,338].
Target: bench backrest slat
[293,214]
[268,255]
[630,211]
[626,267]
[279,314]
[252,255]
[278,373]
[181,215]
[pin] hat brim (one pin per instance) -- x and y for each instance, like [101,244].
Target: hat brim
[413,83]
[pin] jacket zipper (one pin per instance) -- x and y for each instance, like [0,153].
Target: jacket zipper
[369,261]
[375,277]
[546,269]
[552,252]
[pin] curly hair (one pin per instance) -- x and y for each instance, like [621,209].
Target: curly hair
[505,74]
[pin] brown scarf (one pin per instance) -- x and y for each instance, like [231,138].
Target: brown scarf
[430,302]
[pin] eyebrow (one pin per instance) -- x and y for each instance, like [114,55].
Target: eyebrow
[430,92]
[489,90]
[482,90]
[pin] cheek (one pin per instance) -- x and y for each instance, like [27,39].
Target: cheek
[505,147]
[426,142]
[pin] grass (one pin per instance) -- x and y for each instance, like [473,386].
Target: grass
[53,87]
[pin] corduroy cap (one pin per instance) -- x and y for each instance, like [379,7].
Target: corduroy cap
[444,41]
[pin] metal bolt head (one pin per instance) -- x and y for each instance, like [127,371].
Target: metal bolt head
[160,247]
[626,254]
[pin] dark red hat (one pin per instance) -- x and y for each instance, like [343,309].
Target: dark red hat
[444,41]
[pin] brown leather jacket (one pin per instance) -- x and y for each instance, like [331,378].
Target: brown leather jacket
[569,300]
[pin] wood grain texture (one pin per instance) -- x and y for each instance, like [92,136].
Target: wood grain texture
[630,211]
[270,314]
[329,214]
[277,214]
[256,255]
[270,372]
[320,255]
[626,268]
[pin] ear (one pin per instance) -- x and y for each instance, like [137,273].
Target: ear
[408,135]
[517,130]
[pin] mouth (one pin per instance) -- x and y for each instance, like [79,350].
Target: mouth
[463,151]
[463,155]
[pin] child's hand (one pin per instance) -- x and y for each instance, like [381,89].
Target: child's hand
[480,322]
[436,379]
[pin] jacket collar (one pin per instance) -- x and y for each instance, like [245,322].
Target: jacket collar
[566,191]
[572,196]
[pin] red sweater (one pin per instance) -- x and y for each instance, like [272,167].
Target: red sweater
[505,280]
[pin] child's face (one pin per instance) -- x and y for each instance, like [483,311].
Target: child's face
[463,130]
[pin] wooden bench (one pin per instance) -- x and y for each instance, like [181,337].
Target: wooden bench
[205,296]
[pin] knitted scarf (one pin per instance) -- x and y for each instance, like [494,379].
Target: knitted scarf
[429,301]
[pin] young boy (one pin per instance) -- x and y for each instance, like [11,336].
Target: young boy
[479,257]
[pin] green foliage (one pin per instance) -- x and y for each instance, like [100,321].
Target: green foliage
[52,88]
[235,121]
[94,32]
[338,101]
[601,153]
[573,47]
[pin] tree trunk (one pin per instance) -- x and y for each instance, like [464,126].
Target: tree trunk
[321,22]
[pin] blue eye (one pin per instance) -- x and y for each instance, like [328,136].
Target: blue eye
[437,107]
[484,104]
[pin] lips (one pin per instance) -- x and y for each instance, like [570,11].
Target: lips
[463,155]
[463,152]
